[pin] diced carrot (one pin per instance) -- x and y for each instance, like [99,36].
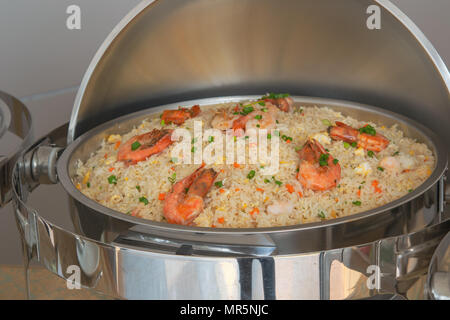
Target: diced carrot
[111,169]
[358,192]
[290,187]
[222,171]
[161,196]
[255,210]
[259,189]
[236,165]
[300,194]
[237,189]
[333,214]
[221,190]
[105,156]
[288,141]
[375,186]
[213,226]
[336,199]
[116,146]
[221,220]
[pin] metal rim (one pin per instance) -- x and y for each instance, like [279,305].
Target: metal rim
[5,118]
[438,145]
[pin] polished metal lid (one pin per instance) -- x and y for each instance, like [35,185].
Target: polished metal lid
[168,51]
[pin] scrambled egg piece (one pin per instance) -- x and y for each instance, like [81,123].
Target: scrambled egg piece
[322,137]
[114,138]
[363,169]
[359,152]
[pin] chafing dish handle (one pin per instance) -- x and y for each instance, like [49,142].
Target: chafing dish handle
[20,124]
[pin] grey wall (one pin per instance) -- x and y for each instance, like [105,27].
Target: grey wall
[42,62]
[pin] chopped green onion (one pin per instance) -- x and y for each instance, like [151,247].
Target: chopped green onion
[278,182]
[346,145]
[194,140]
[258,117]
[174,160]
[298,110]
[275,96]
[246,110]
[112,179]
[321,215]
[323,159]
[410,190]
[193,149]
[266,181]
[357,203]
[284,137]
[396,153]
[210,139]
[235,138]
[172,178]
[251,174]
[335,161]
[246,137]
[135,145]
[218,184]
[326,122]
[354,144]
[269,136]
[138,188]
[88,184]
[368,129]
[258,126]
[370,153]
[163,123]
[380,168]
[261,103]
[143,200]
[264,109]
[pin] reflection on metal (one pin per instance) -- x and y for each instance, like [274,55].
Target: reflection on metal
[16,118]
[438,280]
[346,283]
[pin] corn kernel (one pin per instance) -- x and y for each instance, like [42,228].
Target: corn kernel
[86,177]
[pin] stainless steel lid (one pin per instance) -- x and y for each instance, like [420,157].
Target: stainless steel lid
[167,51]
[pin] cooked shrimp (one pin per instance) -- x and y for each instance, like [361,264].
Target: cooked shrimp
[181,206]
[181,115]
[374,142]
[284,104]
[223,121]
[258,119]
[317,170]
[391,164]
[140,147]
[396,164]
[279,207]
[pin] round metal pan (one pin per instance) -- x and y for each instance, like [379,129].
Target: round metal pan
[408,213]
